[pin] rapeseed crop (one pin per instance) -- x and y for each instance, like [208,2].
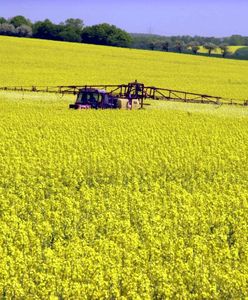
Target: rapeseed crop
[111,204]
[39,62]
[122,204]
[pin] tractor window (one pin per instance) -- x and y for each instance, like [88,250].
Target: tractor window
[82,98]
[92,97]
[79,98]
[101,98]
[87,98]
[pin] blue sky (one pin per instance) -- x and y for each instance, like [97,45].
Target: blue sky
[178,17]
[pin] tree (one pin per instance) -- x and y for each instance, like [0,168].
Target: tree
[120,38]
[236,40]
[24,31]
[165,46]
[194,46]
[3,20]
[72,30]
[47,30]
[76,24]
[106,34]
[210,47]
[7,29]
[70,35]
[224,49]
[17,21]
[151,45]
[179,45]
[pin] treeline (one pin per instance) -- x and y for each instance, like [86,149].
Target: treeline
[143,41]
[187,44]
[179,44]
[72,30]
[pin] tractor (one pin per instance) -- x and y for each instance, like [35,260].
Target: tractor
[92,97]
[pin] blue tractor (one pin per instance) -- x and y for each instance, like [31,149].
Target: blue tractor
[94,98]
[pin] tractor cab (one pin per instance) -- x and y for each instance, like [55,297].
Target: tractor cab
[94,98]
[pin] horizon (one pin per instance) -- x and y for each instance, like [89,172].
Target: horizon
[207,19]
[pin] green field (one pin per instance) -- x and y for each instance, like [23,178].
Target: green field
[111,204]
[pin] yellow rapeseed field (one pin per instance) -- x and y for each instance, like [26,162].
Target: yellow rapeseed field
[36,62]
[112,204]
